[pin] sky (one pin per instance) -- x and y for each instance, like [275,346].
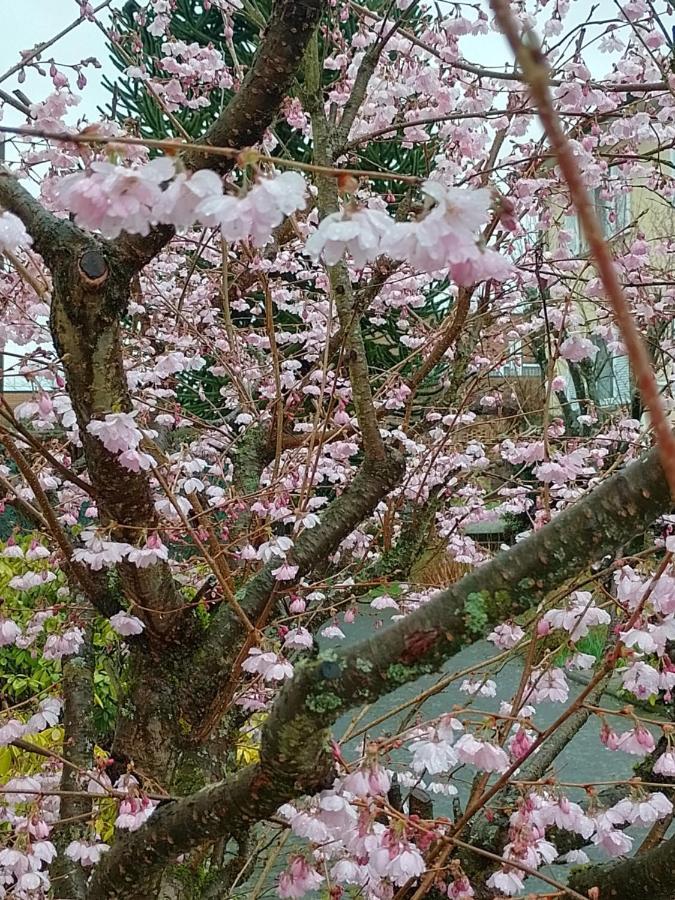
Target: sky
[29,21]
[23,25]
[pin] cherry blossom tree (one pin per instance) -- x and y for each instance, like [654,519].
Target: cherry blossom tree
[277,332]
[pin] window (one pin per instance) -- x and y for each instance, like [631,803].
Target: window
[612,376]
[614,211]
[614,215]
[11,380]
[519,363]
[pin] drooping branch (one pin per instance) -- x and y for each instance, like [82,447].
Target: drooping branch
[490,827]
[446,337]
[295,757]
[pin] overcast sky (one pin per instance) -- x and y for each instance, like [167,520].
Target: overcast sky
[27,22]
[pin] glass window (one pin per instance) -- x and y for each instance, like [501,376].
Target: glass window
[11,362]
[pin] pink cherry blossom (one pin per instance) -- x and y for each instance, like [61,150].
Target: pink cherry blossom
[481,688]
[333,632]
[665,764]
[126,625]
[285,572]
[152,552]
[506,635]
[59,645]
[638,741]
[12,550]
[117,432]
[507,881]
[408,863]
[47,716]
[612,841]
[577,349]
[565,814]
[178,205]
[99,553]
[298,639]
[297,606]
[9,632]
[86,854]
[433,756]
[359,233]
[37,551]
[259,212]
[371,781]
[10,731]
[520,743]
[298,879]
[460,889]
[446,236]
[13,234]
[641,679]
[579,618]
[271,666]
[482,755]
[644,812]
[134,812]
[384,601]
[113,198]
[550,685]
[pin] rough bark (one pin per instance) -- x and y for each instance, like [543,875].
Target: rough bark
[253,107]
[91,291]
[92,281]
[91,288]
[648,876]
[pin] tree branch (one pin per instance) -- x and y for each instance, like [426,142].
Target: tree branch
[648,876]
[295,754]
[214,663]
[48,231]
[78,742]
[338,275]
[252,109]
[358,92]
